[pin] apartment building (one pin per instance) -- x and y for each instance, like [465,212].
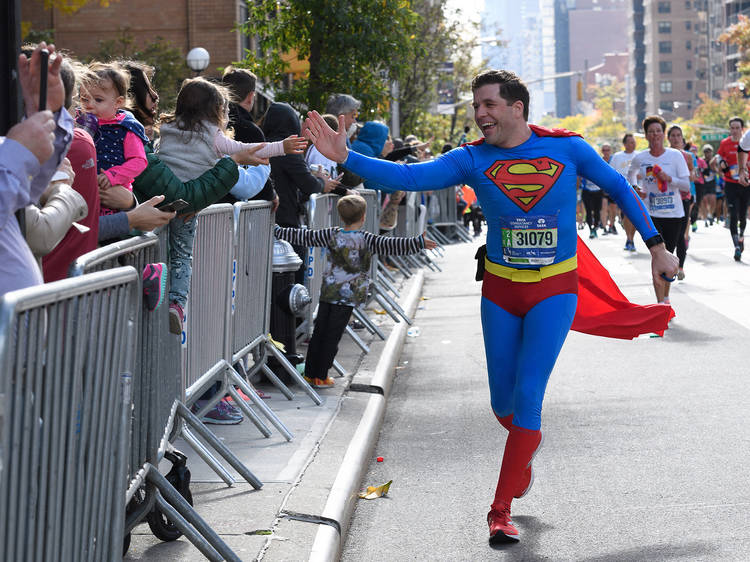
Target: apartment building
[674,70]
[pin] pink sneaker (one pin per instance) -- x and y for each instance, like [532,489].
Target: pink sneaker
[176,318]
[154,284]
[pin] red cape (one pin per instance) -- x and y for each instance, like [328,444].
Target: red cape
[604,311]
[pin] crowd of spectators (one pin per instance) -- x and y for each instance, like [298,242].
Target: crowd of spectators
[99,161]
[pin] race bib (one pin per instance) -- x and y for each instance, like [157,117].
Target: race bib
[530,240]
[659,202]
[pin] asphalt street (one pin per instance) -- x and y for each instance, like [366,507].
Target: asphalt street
[646,442]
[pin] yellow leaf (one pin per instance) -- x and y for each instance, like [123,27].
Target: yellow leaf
[373,492]
[379,311]
[280,346]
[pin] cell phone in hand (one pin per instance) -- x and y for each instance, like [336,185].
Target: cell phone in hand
[175,206]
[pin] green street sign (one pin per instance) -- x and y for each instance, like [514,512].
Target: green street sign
[712,136]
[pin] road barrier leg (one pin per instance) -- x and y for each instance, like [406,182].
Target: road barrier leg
[339,368]
[295,375]
[401,312]
[257,401]
[277,382]
[218,446]
[401,266]
[382,279]
[252,416]
[180,511]
[383,270]
[206,455]
[389,311]
[362,317]
[361,344]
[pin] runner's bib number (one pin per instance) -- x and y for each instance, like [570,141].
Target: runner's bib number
[661,202]
[529,240]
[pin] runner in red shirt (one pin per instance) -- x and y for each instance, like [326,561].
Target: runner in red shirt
[733,189]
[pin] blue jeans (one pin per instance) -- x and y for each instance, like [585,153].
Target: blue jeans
[181,236]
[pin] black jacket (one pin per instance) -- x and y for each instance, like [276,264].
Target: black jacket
[245,130]
[292,178]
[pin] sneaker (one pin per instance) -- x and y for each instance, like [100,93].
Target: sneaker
[320,383]
[741,243]
[612,229]
[680,274]
[176,318]
[629,246]
[154,284]
[221,414]
[502,529]
[694,227]
[737,253]
[592,234]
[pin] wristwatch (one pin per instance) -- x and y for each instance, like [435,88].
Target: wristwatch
[653,241]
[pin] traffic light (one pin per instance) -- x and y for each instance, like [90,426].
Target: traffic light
[579,90]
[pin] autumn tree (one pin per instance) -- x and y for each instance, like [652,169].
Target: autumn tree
[351,47]
[738,34]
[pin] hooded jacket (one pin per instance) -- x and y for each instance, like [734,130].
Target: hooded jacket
[291,176]
[370,142]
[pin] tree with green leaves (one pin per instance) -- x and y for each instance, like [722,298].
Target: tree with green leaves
[354,48]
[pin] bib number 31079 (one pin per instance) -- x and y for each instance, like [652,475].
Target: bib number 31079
[530,240]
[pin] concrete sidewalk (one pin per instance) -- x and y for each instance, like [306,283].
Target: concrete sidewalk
[280,521]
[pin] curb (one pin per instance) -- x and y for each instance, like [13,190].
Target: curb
[341,500]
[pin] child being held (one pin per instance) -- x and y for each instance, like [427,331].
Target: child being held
[345,279]
[192,140]
[119,137]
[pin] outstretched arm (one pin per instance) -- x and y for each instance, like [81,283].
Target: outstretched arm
[449,169]
[305,236]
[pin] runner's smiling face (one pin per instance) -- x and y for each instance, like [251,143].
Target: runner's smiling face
[494,116]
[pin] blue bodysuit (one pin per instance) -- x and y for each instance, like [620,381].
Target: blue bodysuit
[528,196]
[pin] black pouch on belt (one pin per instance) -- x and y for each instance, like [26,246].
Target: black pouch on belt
[479,256]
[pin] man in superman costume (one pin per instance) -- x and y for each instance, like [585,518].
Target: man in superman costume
[525,179]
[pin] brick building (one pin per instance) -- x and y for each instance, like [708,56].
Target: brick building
[184,23]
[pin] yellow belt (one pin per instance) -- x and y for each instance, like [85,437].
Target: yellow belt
[530,275]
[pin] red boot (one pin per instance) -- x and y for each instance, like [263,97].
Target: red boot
[501,527]
[519,449]
[528,474]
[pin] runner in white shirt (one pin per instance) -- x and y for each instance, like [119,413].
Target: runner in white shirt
[661,173]
[621,162]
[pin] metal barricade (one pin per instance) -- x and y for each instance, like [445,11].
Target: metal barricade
[320,211]
[447,226]
[66,352]
[157,394]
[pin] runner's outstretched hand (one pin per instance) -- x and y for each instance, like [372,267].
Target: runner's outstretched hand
[329,143]
[663,262]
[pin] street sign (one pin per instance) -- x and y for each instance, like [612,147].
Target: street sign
[712,136]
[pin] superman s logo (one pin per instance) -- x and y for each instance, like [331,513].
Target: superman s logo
[525,182]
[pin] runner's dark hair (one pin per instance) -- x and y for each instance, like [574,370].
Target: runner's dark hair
[651,119]
[512,88]
[627,135]
[738,119]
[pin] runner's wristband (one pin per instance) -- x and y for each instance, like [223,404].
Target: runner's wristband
[653,241]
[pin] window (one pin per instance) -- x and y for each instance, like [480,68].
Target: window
[688,45]
[665,86]
[687,4]
[666,105]
[665,7]
[689,84]
[665,27]
[689,64]
[665,47]
[665,67]
[688,25]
